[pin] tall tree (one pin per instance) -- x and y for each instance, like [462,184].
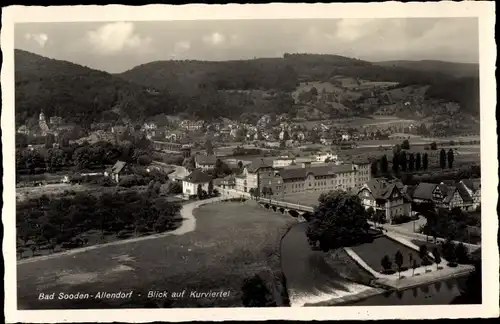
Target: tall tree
[384,164]
[339,220]
[437,257]
[442,159]
[398,259]
[425,161]
[403,161]
[396,149]
[411,162]
[405,145]
[374,168]
[451,158]
[210,188]
[418,161]
[395,163]
[386,263]
[209,147]
[199,192]
[423,252]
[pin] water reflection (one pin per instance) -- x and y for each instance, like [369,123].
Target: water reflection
[431,294]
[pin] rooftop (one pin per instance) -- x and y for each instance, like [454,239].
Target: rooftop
[198,176]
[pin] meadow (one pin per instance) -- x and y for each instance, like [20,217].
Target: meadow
[231,242]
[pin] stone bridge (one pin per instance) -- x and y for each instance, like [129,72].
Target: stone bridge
[301,212]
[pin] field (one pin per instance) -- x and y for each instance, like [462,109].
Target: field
[231,242]
[372,253]
[305,198]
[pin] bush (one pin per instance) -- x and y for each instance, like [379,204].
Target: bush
[133,180]
[400,219]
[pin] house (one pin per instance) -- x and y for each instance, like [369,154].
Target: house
[190,125]
[119,169]
[205,162]
[227,182]
[388,197]
[322,157]
[282,162]
[195,179]
[256,175]
[448,196]
[149,126]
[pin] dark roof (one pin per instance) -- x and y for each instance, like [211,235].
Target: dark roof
[472,184]
[260,163]
[205,159]
[424,190]
[448,192]
[198,176]
[118,167]
[462,190]
[295,172]
[381,189]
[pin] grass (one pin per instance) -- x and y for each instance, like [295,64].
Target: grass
[231,242]
[303,198]
[372,253]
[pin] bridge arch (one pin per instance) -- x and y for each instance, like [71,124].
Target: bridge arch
[293,213]
[307,216]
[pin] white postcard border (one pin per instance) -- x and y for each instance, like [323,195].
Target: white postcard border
[483,10]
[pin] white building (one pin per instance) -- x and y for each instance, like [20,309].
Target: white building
[322,157]
[192,181]
[282,162]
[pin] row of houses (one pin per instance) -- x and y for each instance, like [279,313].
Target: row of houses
[395,199]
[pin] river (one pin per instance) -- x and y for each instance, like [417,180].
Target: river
[310,279]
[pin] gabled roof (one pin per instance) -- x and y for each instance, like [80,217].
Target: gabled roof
[472,184]
[381,189]
[424,190]
[462,190]
[118,167]
[198,176]
[260,163]
[205,159]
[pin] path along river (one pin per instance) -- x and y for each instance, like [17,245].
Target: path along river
[311,280]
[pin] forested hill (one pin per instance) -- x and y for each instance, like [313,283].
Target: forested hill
[269,73]
[83,95]
[77,93]
[454,69]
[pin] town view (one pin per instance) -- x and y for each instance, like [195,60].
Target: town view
[298,179]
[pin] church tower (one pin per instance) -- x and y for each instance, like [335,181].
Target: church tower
[43,124]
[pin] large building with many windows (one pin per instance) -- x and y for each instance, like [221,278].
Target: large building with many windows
[301,178]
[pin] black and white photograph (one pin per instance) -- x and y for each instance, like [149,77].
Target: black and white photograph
[255,163]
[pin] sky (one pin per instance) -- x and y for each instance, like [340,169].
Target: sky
[119,46]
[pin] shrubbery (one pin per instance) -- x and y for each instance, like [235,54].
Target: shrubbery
[401,219]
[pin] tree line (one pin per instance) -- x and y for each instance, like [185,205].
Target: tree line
[45,223]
